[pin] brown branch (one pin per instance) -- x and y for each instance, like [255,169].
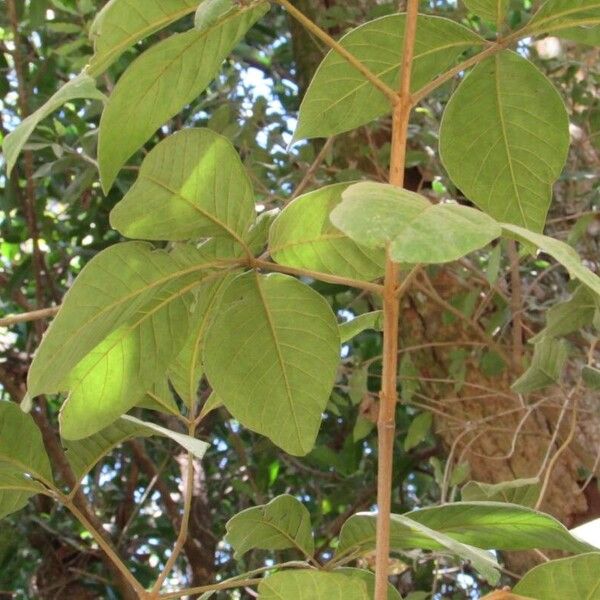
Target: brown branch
[34,315]
[391,310]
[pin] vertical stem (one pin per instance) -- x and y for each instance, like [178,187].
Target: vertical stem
[391,311]
[516,307]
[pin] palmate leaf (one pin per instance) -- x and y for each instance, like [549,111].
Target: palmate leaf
[161,82]
[282,523]
[374,214]
[191,185]
[339,98]
[492,10]
[122,23]
[271,356]
[84,454]
[312,585]
[82,86]
[555,15]
[112,288]
[23,459]
[303,236]
[574,577]
[561,252]
[505,152]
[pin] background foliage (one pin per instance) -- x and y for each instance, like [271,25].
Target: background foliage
[460,420]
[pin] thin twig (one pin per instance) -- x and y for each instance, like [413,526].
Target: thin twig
[313,168]
[34,315]
[334,45]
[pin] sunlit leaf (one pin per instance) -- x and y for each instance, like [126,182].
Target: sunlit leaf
[492,10]
[191,185]
[114,287]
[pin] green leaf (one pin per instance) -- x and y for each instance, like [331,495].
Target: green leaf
[114,287]
[555,15]
[369,578]
[303,236]
[82,86]
[573,577]
[418,430]
[192,445]
[374,214]
[21,445]
[560,251]
[191,185]
[271,356]
[591,377]
[582,35]
[409,376]
[312,585]
[519,491]
[549,358]
[160,398]
[122,23]
[116,375]
[84,454]
[491,10]
[161,82]
[340,98]
[282,523]
[564,318]
[15,489]
[509,147]
[210,11]
[370,320]
[490,525]
[359,532]
[186,370]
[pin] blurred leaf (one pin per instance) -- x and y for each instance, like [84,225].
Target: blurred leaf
[282,523]
[518,491]
[549,358]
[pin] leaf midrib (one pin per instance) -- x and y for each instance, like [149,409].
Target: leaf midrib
[128,297]
[505,139]
[140,34]
[282,365]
